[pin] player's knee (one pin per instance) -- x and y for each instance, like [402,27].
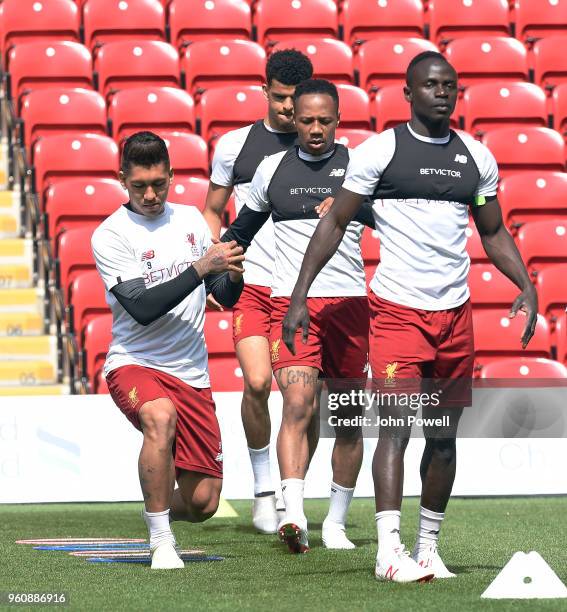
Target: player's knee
[205,504]
[444,449]
[298,411]
[258,386]
[159,419]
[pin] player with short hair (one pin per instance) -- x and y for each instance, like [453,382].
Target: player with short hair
[288,187]
[424,179]
[237,155]
[157,261]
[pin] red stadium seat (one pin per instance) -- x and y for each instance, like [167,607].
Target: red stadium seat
[227,108]
[331,59]
[552,292]
[549,61]
[390,107]
[384,61]
[540,18]
[161,109]
[109,20]
[474,245]
[62,110]
[354,107]
[217,63]
[226,374]
[188,154]
[70,155]
[492,105]
[370,247]
[218,333]
[190,190]
[77,202]
[123,64]
[87,300]
[74,256]
[369,271]
[43,63]
[97,339]
[363,20]
[206,19]
[559,105]
[352,138]
[542,243]
[524,367]
[561,338]
[490,288]
[498,337]
[277,20]
[533,196]
[27,20]
[481,58]
[450,19]
[526,148]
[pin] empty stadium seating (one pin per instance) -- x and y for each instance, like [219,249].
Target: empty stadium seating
[559,103]
[78,202]
[134,63]
[490,288]
[384,61]
[227,108]
[526,148]
[204,19]
[389,107]
[561,339]
[533,196]
[26,20]
[189,190]
[370,247]
[226,374]
[109,20]
[352,138]
[62,109]
[67,155]
[45,63]
[451,19]
[332,59]
[549,61]
[535,19]
[474,245]
[552,292]
[481,58]
[363,20]
[277,20]
[97,338]
[74,255]
[218,333]
[524,367]
[217,63]
[492,105]
[543,243]
[87,300]
[188,154]
[354,107]
[161,109]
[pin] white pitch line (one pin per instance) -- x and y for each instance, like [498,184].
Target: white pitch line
[120,554]
[69,541]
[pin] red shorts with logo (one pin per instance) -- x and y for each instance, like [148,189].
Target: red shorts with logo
[338,337]
[251,316]
[413,344]
[197,446]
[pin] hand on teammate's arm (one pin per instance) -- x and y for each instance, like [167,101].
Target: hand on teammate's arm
[323,244]
[502,251]
[226,256]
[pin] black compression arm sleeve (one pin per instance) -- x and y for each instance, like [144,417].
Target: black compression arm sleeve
[223,289]
[245,226]
[148,305]
[365,215]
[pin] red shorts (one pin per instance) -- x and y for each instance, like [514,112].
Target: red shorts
[251,316]
[413,344]
[338,337]
[197,445]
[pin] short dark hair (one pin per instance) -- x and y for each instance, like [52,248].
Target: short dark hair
[144,149]
[316,86]
[289,67]
[421,57]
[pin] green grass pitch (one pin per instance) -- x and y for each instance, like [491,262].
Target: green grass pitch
[479,536]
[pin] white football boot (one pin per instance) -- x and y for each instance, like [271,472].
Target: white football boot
[398,566]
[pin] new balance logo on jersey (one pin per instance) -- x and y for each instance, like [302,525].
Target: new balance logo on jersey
[461,159]
[148,255]
[337,172]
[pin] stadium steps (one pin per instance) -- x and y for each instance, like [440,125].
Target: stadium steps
[10,217]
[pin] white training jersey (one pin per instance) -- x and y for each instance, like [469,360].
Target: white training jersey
[128,245]
[237,156]
[290,185]
[422,189]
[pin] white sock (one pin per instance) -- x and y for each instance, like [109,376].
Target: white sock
[260,459]
[429,527]
[339,503]
[388,525]
[292,491]
[158,527]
